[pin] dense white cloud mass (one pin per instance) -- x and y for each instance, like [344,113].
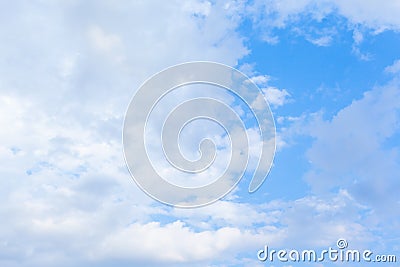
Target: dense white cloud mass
[67,72]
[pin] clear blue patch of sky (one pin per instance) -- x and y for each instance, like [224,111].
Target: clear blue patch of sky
[285,179]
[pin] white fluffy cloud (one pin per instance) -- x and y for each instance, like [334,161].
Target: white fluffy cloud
[275,96]
[354,139]
[372,13]
[394,68]
[358,149]
[354,159]
[175,243]
[68,71]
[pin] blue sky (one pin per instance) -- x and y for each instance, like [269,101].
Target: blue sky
[329,69]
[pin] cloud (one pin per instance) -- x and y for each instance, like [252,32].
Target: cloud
[394,68]
[222,232]
[68,73]
[272,15]
[354,159]
[351,151]
[372,13]
[358,37]
[53,211]
[174,243]
[261,79]
[362,56]
[275,96]
[318,36]
[106,43]
[321,41]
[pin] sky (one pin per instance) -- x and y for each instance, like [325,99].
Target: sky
[330,71]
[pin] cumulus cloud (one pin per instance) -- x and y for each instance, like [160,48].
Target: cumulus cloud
[261,79]
[170,243]
[68,72]
[354,158]
[394,68]
[358,149]
[276,97]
